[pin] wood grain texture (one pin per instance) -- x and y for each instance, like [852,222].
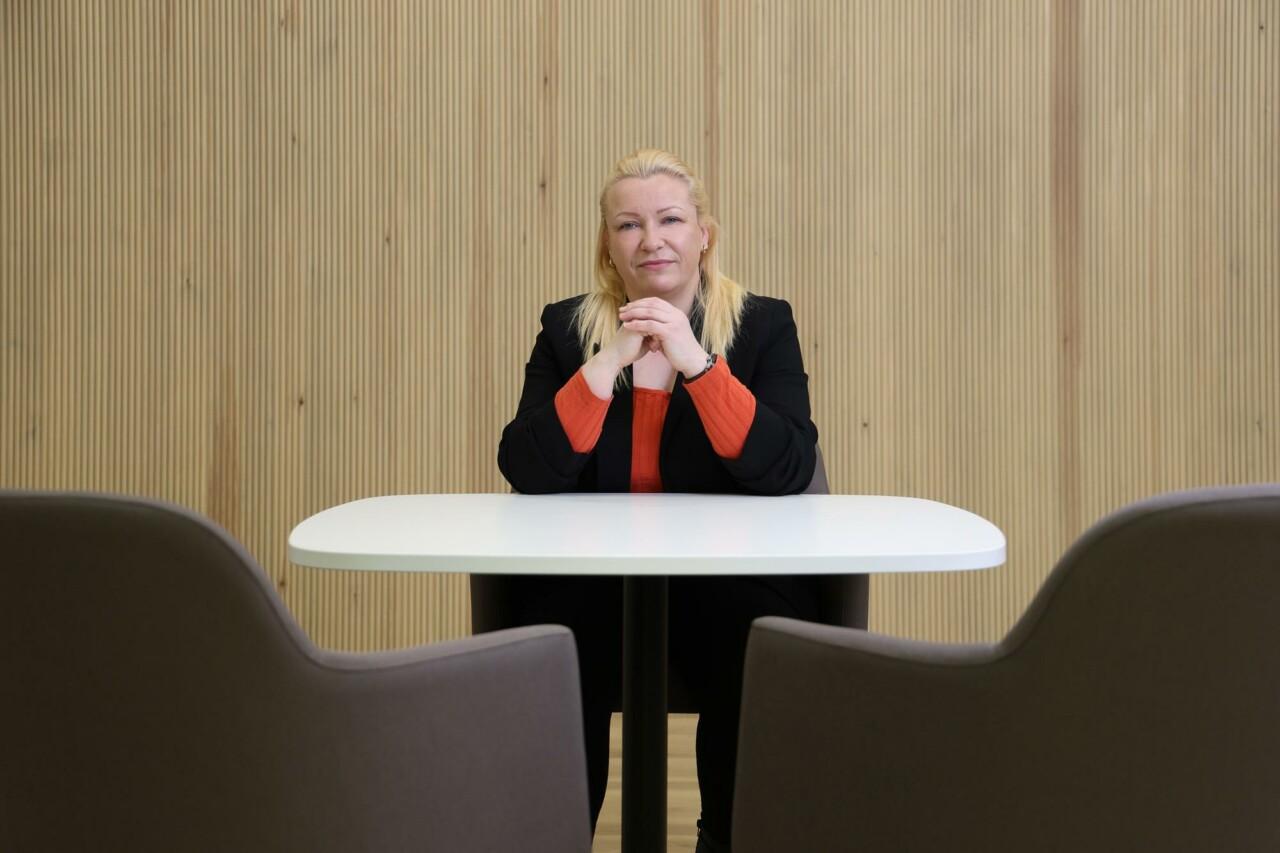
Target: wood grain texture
[263,258]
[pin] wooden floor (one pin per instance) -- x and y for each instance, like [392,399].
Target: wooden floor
[682,789]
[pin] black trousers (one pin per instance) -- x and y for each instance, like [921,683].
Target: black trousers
[709,620]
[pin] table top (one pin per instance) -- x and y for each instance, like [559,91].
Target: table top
[646,534]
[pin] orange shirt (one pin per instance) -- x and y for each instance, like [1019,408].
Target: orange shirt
[648,411]
[725,405]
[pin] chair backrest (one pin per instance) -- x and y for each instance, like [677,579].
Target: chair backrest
[156,695]
[842,599]
[818,485]
[1133,707]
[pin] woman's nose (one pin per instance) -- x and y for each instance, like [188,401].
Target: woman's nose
[650,240]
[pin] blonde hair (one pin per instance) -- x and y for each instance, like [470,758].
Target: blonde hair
[719,299]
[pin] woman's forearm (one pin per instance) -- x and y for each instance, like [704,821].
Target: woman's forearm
[601,371]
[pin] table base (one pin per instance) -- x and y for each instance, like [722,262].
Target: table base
[644,715]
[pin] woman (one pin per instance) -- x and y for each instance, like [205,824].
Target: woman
[667,377]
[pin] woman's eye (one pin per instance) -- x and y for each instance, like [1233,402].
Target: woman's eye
[673,219]
[624,226]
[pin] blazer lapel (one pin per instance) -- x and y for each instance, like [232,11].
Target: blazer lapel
[613,451]
[679,408]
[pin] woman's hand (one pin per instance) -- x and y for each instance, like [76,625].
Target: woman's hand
[629,346]
[648,325]
[663,328]
[602,369]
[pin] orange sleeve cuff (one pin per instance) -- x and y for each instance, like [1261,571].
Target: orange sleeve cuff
[581,413]
[726,406]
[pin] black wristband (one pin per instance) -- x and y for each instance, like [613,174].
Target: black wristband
[711,362]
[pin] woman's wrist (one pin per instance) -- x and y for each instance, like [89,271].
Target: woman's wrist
[693,370]
[601,372]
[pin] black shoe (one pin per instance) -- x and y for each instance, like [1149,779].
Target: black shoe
[707,844]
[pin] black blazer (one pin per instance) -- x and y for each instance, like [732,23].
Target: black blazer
[777,459]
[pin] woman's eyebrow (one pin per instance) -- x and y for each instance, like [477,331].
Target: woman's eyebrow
[663,210]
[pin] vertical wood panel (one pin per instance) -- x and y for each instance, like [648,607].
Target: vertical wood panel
[262,258]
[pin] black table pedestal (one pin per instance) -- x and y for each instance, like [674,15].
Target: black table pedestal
[644,715]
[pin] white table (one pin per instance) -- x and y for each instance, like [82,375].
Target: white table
[646,538]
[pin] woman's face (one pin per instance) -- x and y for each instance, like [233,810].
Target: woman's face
[655,240]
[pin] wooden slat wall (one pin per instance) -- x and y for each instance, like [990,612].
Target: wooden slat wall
[263,258]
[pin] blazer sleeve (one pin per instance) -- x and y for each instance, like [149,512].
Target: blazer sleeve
[779,454]
[534,453]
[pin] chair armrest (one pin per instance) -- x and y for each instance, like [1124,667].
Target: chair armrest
[840,722]
[858,645]
[494,718]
